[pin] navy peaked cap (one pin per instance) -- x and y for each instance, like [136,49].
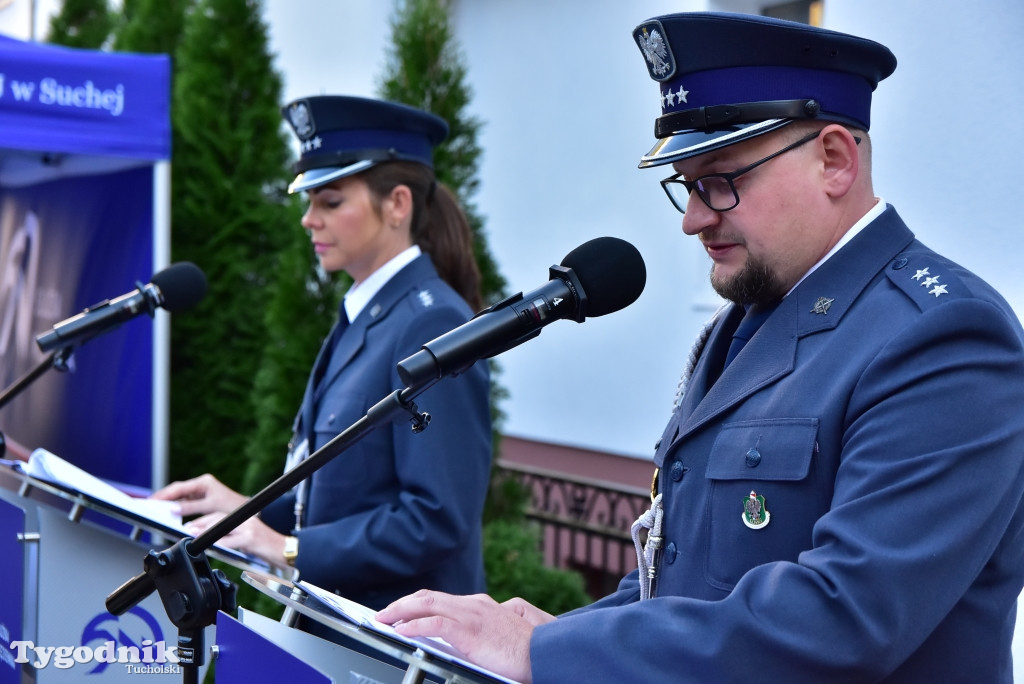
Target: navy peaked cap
[724,78]
[341,135]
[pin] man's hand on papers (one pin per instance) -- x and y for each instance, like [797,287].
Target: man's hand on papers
[491,634]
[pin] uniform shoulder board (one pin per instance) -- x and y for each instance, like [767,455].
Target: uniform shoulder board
[926,278]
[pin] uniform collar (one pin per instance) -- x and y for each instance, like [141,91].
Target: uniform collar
[360,295]
[860,225]
[817,305]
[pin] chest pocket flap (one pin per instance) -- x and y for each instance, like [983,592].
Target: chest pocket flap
[775,458]
[778,449]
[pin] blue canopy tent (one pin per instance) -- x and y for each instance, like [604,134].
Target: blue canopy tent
[85,141]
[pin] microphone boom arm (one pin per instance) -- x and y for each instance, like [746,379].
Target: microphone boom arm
[191,591]
[57,360]
[129,594]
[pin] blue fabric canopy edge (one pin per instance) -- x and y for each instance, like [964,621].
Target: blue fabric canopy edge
[61,100]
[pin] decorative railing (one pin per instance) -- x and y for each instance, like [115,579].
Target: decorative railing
[585,523]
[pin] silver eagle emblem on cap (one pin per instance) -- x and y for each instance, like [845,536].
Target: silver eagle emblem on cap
[301,119]
[655,48]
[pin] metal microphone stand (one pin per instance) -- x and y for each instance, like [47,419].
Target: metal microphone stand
[190,590]
[57,360]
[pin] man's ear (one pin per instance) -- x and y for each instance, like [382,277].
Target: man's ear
[841,160]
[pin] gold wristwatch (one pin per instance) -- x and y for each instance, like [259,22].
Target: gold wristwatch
[291,549]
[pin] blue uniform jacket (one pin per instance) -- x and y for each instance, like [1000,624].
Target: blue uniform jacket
[397,511]
[886,435]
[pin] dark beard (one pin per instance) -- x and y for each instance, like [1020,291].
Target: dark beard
[754,284]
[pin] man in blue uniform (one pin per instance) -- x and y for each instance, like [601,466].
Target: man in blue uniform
[841,498]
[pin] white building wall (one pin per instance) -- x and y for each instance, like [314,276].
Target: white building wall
[947,126]
[569,110]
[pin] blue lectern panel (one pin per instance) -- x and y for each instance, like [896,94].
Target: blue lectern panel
[247,657]
[12,588]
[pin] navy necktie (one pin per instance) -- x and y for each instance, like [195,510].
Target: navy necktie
[331,343]
[755,316]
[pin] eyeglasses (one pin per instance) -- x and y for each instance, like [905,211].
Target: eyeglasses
[717,189]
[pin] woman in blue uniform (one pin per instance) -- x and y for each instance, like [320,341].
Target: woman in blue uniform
[397,511]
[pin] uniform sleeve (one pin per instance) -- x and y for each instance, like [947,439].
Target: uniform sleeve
[442,475]
[280,513]
[926,505]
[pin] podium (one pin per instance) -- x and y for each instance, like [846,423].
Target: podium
[61,553]
[357,655]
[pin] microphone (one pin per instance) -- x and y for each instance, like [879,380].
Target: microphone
[597,278]
[178,287]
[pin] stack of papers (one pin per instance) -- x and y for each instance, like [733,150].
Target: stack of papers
[364,617]
[47,466]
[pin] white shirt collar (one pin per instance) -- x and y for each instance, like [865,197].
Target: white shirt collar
[873,213]
[358,296]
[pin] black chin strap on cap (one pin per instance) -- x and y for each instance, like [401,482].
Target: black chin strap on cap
[719,116]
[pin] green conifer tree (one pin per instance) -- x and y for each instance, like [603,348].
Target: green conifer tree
[299,301]
[231,217]
[425,70]
[82,24]
[150,26]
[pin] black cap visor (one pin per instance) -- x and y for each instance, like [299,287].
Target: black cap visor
[686,144]
[314,178]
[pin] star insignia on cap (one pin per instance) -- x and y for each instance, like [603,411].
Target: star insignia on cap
[822,305]
[681,95]
[312,144]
